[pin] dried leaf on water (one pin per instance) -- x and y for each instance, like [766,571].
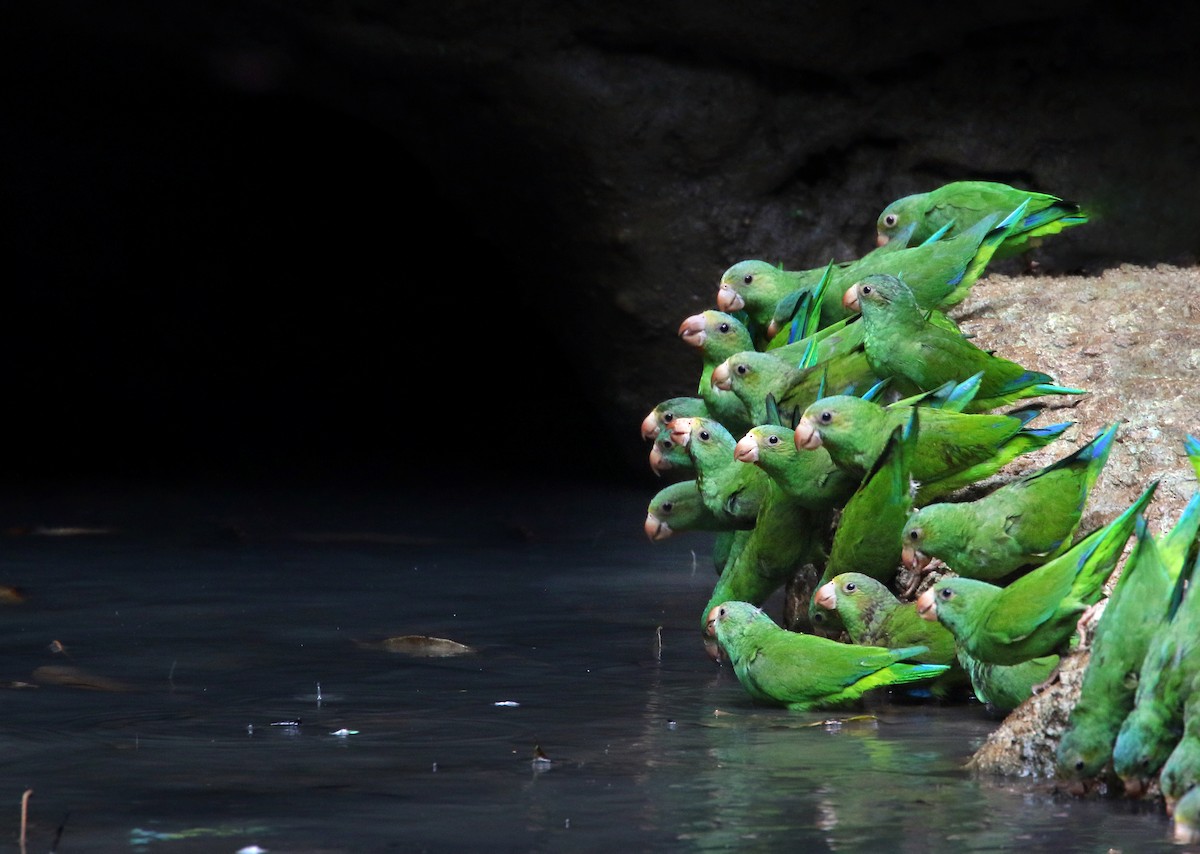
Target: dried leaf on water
[419,645]
[10,595]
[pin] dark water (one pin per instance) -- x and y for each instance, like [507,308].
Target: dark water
[220,616]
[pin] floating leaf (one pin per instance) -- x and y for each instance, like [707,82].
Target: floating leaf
[419,645]
[73,677]
[10,595]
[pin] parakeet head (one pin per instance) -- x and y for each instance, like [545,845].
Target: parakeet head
[728,622]
[878,291]
[740,280]
[894,218]
[919,539]
[954,602]
[716,333]
[832,419]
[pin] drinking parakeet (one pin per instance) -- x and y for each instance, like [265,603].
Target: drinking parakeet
[730,489]
[960,204]
[1181,771]
[900,341]
[953,450]
[1026,521]
[802,671]
[1136,608]
[1154,725]
[1038,613]
[1185,818]
[872,615]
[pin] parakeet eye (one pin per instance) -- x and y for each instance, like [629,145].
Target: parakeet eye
[890,220]
[724,327]
[743,369]
[850,587]
[668,417]
[704,435]
[1078,764]
[865,289]
[826,416]
[721,612]
[667,506]
[772,440]
[747,279]
[946,593]
[914,534]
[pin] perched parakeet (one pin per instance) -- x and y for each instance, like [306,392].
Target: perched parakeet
[941,274]
[717,336]
[802,671]
[871,615]
[867,538]
[1154,725]
[787,535]
[961,204]
[1181,771]
[752,376]
[1185,818]
[1038,613]
[1026,521]
[679,507]
[900,341]
[1136,608]
[1003,687]
[668,459]
[809,476]
[953,449]
[662,415]
[731,490]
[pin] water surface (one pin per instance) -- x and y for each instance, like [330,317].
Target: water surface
[209,677]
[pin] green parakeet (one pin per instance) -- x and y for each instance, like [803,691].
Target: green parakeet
[871,615]
[1185,818]
[731,490]
[679,507]
[809,476]
[961,204]
[1038,613]
[953,449]
[867,538]
[1181,771]
[802,671]
[662,415]
[751,376]
[900,341]
[1154,725]
[717,336]
[1136,608]
[1026,521]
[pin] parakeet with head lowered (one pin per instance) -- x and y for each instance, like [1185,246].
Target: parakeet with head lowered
[953,449]
[665,412]
[1027,521]
[679,507]
[900,341]
[1140,603]
[1039,613]
[1165,678]
[1181,770]
[867,538]
[871,615]
[958,205]
[730,489]
[1185,818]
[801,671]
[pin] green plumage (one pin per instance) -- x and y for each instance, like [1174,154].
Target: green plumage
[1003,687]
[953,449]
[960,204]
[901,342]
[1154,725]
[871,615]
[810,476]
[1136,609]
[1181,771]
[717,336]
[1025,522]
[731,490]
[802,671]
[1038,613]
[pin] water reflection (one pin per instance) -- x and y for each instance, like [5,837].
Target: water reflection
[584,646]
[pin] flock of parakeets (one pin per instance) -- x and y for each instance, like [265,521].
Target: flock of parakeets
[840,417]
